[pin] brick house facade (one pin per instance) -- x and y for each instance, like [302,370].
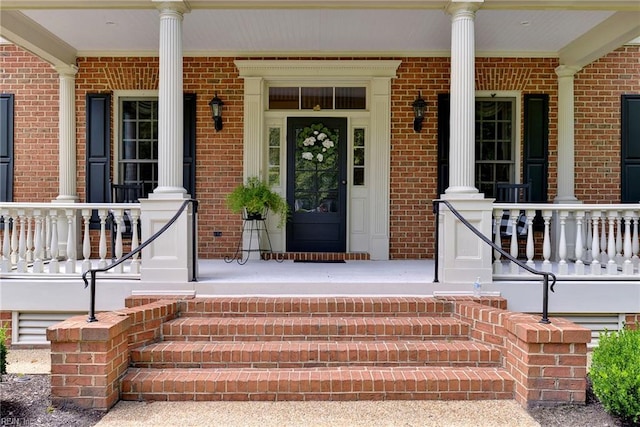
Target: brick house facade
[413,167]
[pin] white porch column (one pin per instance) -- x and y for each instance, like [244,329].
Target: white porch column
[463,257]
[566,144]
[67,133]
[170,100]
[167,263]
[462,114]
[67,192]
[566,157]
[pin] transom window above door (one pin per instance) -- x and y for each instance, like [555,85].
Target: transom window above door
[317,98]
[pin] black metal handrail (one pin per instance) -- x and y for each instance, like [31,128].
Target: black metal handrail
[94,271]
[545,275]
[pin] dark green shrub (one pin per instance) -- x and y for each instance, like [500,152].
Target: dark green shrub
[615,373]
[3,350]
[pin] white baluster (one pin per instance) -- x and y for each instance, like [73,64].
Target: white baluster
[22,243]
[589,239]
[513,248]
[603,241]
[118,221]
[54,266]
[28,255]
[619,242]
[579,265]
[546,243]
[497,263]
[531,214]
[38,266]
[102,245]
[635,244]
[47,236]
[612,267]
[5,262]
[627,266]
[595,243]
[15,224]
[70,265]
[86,241]
[135,262]
[563,267]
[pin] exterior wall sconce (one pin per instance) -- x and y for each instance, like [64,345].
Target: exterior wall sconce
[216,111]
[419,108]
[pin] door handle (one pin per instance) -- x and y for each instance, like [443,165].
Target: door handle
[344,182]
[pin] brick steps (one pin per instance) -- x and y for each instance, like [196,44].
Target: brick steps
[314,328]
[345,383]
[325,348]
[306,354]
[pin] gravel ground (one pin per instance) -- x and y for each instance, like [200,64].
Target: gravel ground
[25,400]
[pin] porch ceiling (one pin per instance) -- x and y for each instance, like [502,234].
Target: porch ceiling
[576,31]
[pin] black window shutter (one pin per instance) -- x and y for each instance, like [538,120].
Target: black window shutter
[189,169]
[443,142]
[98,149]
[6,147]
[536,144]
[630,150]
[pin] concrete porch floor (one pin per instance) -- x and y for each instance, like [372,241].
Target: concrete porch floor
[258,277]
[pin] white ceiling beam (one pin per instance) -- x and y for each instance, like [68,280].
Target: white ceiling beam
[605,37]
[619,5]
[23,32]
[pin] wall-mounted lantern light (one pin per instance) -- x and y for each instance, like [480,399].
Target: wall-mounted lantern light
[419,108]
[216,111]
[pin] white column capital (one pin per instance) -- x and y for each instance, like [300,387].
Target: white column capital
[180,6]
[463,7]
[66,70]
[567,70]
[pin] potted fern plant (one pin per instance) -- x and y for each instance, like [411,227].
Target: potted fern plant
[254,198]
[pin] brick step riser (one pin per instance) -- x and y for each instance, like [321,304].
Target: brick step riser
[323,329]
[236,337]
[305,365]
[313,385]
[162,359]
[233,314]
[329,307]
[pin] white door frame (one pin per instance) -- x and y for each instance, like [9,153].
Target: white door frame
[376,75]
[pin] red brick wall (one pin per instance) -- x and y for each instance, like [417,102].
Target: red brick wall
[597,91]
[34,84]
[413,155]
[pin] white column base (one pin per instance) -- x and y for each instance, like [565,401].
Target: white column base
[462,256]
[170,257]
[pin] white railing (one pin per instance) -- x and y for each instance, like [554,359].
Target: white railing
[45,238]
[575,239]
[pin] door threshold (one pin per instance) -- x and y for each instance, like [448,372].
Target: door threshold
[319,256]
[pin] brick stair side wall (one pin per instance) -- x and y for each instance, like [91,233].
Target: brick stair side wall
[547,361]
[89,359]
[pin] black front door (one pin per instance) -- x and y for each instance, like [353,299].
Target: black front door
[316,184]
